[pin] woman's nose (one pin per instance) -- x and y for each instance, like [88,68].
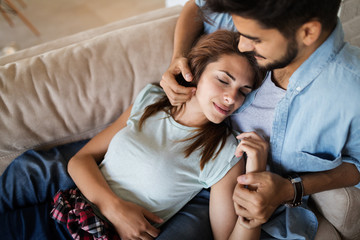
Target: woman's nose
[245,45]
[229,98]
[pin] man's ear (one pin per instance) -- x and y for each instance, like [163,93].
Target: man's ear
[310,32]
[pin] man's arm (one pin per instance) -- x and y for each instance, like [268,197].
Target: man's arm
[274,190]
[188,27]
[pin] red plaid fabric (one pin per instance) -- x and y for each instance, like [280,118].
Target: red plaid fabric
[72,209]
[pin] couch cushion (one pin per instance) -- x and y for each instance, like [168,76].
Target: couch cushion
[73,92]
[341,207]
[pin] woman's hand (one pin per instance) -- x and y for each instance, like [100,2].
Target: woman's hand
[256,149]
[132,221]
[176,93]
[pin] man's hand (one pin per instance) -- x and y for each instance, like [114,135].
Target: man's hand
[176,93]
[256,206]
[132,221]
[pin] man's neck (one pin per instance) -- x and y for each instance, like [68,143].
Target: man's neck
[281,76]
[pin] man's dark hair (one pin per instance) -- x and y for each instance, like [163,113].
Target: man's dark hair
[284,15]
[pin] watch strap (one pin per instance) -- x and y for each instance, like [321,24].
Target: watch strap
[297,183]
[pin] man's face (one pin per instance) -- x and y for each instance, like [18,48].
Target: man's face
[271,49]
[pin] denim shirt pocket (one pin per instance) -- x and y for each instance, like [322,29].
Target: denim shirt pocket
[314,162]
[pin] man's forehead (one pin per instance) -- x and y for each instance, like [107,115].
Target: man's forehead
[251,28]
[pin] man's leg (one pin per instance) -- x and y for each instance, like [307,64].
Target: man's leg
[35,176]
[191,222]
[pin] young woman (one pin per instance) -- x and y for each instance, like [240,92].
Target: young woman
[155,157]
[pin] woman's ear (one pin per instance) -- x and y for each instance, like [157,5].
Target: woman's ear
[310,32]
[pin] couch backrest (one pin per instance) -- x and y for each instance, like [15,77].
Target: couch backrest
[73,92]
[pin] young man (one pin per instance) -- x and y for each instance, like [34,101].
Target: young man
[306,107]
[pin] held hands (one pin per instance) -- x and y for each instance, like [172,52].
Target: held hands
[132,221]
[256,206]
[258,192]
[176,93]
[256,149]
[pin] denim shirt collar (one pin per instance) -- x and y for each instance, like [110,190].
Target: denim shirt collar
[318,60]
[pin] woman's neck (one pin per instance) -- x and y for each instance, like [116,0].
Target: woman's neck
[189,114]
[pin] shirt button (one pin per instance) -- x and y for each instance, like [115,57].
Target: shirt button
[298,89]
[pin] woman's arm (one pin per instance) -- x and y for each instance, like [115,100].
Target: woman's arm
[188,27]
[222,212]
[129,219]
[224,221]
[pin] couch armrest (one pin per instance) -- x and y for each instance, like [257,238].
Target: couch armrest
[341,207]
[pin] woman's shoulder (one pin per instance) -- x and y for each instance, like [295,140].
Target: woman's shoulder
[150,90]
[148,95]
[217,168]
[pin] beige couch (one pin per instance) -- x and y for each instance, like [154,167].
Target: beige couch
[71,88]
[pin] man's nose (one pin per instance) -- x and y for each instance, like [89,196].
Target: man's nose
[245,45]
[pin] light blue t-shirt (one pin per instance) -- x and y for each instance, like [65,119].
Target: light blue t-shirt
[149,167]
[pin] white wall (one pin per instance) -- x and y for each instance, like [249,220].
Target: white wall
[170,3]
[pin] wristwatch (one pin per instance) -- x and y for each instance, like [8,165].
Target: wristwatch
[297,183]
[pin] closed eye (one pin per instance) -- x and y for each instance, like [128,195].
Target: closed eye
[222,81]
[242,93]
[246,92]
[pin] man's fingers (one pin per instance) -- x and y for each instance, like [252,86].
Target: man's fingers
[184,69]
[187,74]
[243,199]
[250,223]
[250,179]
[175,92]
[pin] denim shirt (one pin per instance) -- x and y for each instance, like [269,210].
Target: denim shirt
[216,20]
[316,125]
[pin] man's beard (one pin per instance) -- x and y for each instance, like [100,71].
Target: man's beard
[290,55]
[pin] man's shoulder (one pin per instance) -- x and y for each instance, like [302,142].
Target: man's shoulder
[349,59]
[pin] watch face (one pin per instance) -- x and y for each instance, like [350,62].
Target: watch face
[296,180]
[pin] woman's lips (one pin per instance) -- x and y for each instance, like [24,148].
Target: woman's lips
[222,109]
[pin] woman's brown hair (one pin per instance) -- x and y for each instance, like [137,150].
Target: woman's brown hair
[208,49]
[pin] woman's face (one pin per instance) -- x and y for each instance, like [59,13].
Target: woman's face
[223,86]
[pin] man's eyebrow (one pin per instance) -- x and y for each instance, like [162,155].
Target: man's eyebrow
[250,37]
